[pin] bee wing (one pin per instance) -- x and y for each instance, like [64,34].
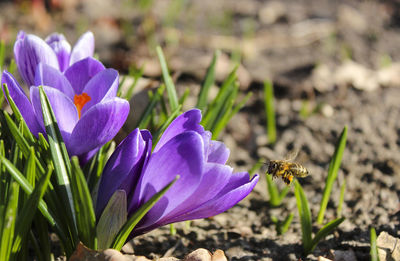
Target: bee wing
[291,155]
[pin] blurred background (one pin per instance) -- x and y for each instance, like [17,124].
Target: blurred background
[301,45]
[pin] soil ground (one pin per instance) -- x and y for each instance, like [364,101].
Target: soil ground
[305,47]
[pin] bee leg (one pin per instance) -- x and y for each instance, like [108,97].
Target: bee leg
[290,178]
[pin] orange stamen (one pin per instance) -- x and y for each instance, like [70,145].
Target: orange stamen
[80,101]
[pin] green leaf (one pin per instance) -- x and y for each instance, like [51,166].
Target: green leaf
[123,234]
[214,109]
[12,67]
[183,98]
[28,211]
[10,218]
[85,216]
[112,219]
[374,247]
[332,174]
[324,231]
[26,186]
[209,80]
[60,160]
[273,192]
[2,53]
[145,117]
[18,114]
[270,111]
[160,131]
[305,216]
[221,124]
[286,223]
[341,199]
[172,96]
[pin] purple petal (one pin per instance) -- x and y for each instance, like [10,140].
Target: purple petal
[237,189]
[188,121]
[214,179]
[85,157]
[123,168]
[22,102]
[47,75]
[29,51]
[102,86]
[217,152]
[182,155]
[21,35]
[98,125]
[81,72]
[63,108]
[61,48]
[83,48]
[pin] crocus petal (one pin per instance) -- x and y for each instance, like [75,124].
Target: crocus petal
[182,155]
[128,156]
[189,120]
[82,71]
[61,48]
[237,188]
[22,102]
[98,125]
[47,75]
[102,86]
[29,52]
[21,35]
[217,152]
[63,108]
[214,179]
[83,48]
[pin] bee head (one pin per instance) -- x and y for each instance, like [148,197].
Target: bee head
[272,167]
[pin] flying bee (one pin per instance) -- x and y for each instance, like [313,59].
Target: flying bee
[286,169]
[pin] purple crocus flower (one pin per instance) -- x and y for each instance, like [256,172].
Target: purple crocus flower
[84,102]
[55,51]
[206,186]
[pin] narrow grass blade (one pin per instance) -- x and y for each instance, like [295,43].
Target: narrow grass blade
[256,167]
[284,192]
[286,223]
[183,98]
[123,234]
[324,231]
[12,67]
[272,191]
[112,219]
[305,216]
[270,111]
[145,117]
[374,247]
[224,121]
[209,80]
[136,74]
[217,104]
[341,199]
[160,131]
[172,96]
[60,159]
[332,174]
[41,238]
[9,223]
[85,217]
[2,53]
[28,211]
[19,138]
[26,186]
[17,113]
[172,229]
